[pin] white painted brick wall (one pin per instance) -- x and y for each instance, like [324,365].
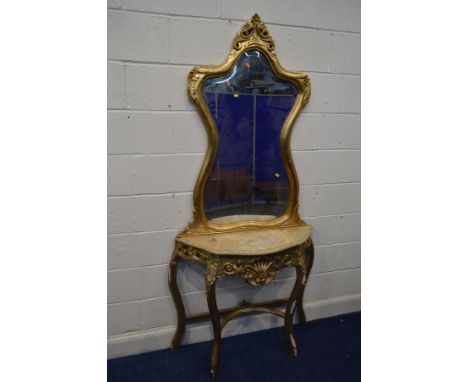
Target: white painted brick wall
[132,132]
[327,131]
[138,37]
[115,86]
[174,7]
[156,143]
[142,174]
[157,87]
[327,166]
[142,213]
[139,249]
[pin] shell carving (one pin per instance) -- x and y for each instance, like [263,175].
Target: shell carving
[259,273]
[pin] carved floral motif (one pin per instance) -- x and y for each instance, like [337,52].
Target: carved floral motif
[306,98]
[255,270]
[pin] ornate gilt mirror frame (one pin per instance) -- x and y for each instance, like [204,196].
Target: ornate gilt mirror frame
[253,35]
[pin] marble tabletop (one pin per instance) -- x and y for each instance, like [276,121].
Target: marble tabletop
[262,241]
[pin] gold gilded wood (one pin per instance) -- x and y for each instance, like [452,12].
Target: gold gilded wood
[248,309]
[176,296]
[255,270]
[244,304]
[292,303]
[224,246]
[309,262]
[253,35]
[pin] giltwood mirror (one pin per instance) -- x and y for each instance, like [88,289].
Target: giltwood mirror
[249,105]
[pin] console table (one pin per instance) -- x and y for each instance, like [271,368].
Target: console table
[256,257]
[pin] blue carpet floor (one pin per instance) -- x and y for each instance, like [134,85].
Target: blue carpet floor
[329,350]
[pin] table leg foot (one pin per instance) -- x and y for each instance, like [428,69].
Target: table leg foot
[213,372]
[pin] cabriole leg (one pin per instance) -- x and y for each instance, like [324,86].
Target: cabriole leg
[214,314]
[309,263]
[295,296]
[175,292]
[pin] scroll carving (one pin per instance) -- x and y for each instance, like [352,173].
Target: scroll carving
[211,271]
[194,79]
[259,271]
[255,32]
[306,98]
[255,270]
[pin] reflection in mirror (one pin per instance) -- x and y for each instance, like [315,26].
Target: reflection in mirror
[249,105]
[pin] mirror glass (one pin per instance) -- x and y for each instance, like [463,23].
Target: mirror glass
[249,105]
